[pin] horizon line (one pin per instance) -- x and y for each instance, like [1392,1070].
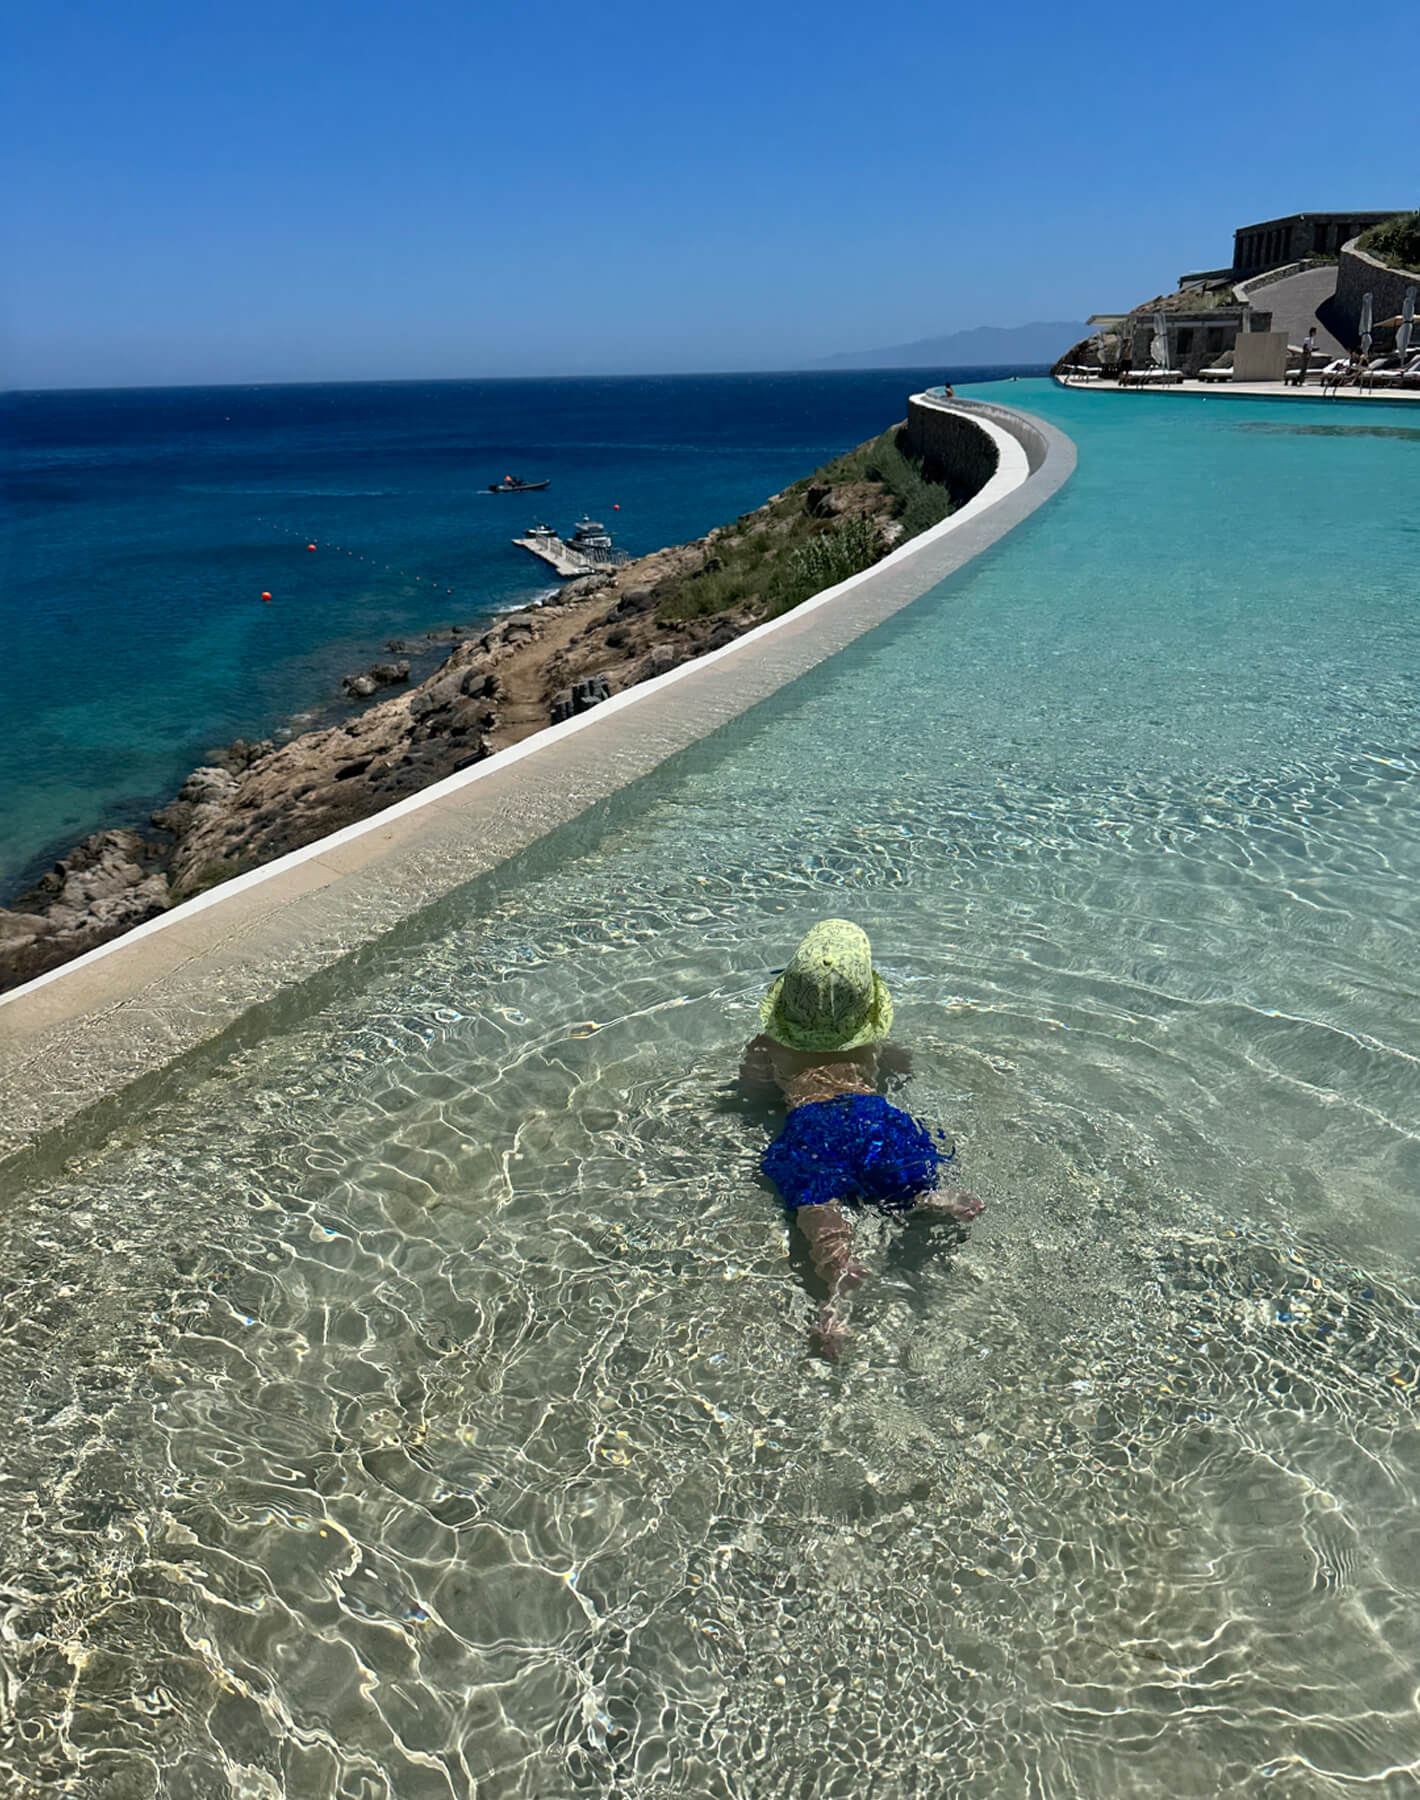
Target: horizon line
[177,387]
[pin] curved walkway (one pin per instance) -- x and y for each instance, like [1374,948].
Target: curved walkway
[1294,303]
[72,1040]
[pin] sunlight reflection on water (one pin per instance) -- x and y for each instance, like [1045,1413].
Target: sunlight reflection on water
[420,1404]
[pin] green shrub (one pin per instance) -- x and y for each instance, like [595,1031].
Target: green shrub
[832,556]
[782,554]
[708,591]
[1394,241]
[917,501]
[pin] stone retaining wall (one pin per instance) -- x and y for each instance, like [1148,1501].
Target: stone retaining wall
[1361,274]
[954,451]
[1246,289]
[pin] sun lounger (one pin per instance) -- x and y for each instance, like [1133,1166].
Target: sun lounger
[1218,374]
[1155,376]
[1336,372]
[1379,373]
[1390,371]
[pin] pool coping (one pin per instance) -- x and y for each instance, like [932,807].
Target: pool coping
[75,1038]
[1249,390]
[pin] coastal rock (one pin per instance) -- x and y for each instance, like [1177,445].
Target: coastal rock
[636,600]
[482,750]
[586,585]
[19,933]
[104,886]
[105,863]
[581,697]
[378,675]
[842,500]
[438,696]
[240,754]
[207,787]
[327,779]
[660,661]
[26,948]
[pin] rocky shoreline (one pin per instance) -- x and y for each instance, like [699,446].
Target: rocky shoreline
[597,636]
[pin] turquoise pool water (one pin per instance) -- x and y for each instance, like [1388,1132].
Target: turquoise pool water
[418,1402]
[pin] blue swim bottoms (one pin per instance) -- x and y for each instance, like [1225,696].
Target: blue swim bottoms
[853,1148]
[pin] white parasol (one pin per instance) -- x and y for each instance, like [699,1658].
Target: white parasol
[1365,324]
[1407,319]
[1159,348]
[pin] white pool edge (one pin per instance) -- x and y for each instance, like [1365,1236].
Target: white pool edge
[78,1035]
[1012,471]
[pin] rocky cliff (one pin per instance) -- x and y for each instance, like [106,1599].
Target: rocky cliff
[255,801]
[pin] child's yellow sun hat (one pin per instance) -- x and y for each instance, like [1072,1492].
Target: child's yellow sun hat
[830,997]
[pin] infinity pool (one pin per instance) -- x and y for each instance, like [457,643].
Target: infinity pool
[417,1402]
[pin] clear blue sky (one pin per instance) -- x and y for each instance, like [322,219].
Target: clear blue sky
[215,192]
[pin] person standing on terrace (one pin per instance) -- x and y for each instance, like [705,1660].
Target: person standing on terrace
[823,1047]
[1308,347]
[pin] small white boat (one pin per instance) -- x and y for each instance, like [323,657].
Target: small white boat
[590,537]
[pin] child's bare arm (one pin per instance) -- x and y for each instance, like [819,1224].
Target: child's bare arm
[952,1203]
[894,1059]
[756,1068]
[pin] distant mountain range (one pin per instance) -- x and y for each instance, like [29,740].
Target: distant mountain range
[984,345]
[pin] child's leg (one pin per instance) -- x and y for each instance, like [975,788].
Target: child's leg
[829,1231]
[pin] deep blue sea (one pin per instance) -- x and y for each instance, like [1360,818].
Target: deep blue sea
[142,527]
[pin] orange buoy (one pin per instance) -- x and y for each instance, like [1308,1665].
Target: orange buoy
[310,546]
[265,595]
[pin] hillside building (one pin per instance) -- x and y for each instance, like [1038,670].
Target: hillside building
[1289,277]
[1278,241]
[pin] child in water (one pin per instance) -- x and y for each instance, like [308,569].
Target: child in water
[823,1046]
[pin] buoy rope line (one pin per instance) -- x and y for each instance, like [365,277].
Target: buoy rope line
[316,545]
[344,550]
